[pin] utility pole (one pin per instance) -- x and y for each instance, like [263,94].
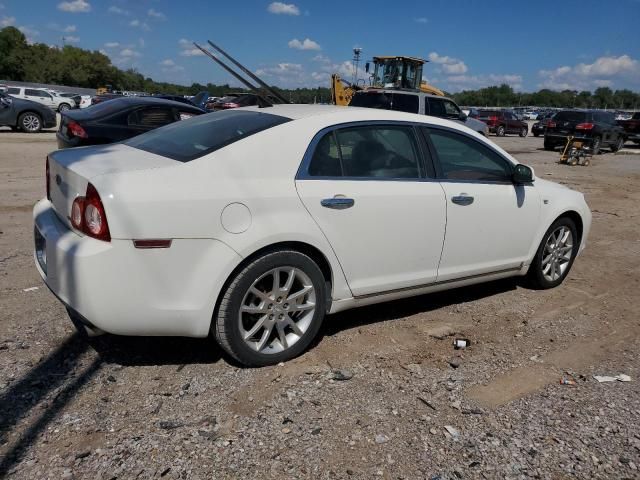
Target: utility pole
[356,63]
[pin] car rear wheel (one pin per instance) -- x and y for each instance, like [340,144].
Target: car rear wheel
[536,134]
[595,145]
[500,131]
[30,122]
[523,132]
[618,145]
[272,309]
[549,146]
[64,107]
[555,254]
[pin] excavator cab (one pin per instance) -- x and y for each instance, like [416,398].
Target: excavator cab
[397,72]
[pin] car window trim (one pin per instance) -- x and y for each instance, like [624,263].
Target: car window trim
[303,169]
[438,167]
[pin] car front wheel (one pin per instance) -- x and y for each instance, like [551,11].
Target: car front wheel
[555,254]
[30,122]
[272,309]
[500,131]
[523,132]
[64,107]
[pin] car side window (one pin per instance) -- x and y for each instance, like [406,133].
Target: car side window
[29,92]
[436,107]
[151,117]
[13,91]
[405,103]
[466,159]
[367,152]
[451,109]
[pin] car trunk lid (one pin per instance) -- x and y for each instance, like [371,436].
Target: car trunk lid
[71,170]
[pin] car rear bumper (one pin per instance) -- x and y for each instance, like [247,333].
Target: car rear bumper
[64,142]
[120,289]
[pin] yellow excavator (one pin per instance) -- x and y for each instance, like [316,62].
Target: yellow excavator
[400,73]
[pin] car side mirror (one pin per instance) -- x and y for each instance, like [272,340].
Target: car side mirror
[462,117]
[522,174]
[5,102]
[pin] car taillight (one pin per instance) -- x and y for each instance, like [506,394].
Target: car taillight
[230,105]
[88,215]
[493,119]
[584,126]
[76,130]
[551,124]
[48,175]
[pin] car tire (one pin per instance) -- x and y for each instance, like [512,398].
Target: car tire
[596,143]
[536,134]
[258,324]
[63,107]
[524,132]
[618,145]
[500,131]
[549,146]
[30,122]
[555,255]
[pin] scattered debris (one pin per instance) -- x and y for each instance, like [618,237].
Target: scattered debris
[461,343]
[568,381]
[455,362]
[605,378]
[381,439]
[30,289]
[169,424]
[452,431]
[342,375]
[427,403]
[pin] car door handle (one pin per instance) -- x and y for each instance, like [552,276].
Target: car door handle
[462,199]
[338,203]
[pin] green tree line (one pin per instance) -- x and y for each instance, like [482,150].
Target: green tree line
[76,67]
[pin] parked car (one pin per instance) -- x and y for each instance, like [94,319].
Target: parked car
[119,119]
[236,101]
[597,128]
[540,126]
[416,102]
[95,100]
[59,104]
[263,220]
[503,122]
[28,116]
[199,100]
[631,128]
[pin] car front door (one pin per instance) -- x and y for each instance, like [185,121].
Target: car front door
[491,222]
[7,116]
[370,192]
[510,122]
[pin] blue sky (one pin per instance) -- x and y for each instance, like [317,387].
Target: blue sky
[578,44]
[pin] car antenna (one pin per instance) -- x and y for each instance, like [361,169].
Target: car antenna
[261,98]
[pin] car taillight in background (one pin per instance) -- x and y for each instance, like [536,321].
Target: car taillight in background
[48,177]
[230,105]
[492,119]
[551,124]
[74,129]
[584,126]
[88,215]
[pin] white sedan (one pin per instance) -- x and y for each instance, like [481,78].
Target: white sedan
[251,225]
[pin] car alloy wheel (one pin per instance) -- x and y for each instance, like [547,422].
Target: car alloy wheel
[523,132]
[500,132]
[272,309]
[277,310]
[557,253]
[595,146]
[30,122]
[64,107]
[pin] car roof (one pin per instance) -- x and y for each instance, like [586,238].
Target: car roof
[152,101]
[401,92]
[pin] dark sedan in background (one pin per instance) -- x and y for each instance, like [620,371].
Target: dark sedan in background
[540,126]
[120,119]
[28,116]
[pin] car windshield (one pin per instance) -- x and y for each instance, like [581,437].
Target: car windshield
[190,139]
[569,116]
[386,101]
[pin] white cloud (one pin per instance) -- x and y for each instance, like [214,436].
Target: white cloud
[129,53]
[169,66]
[29,32]
[7,21]
[1,6]
[138,24]
[112,45]
[69,29]
[585,76]
[449,65]
[306,44]
[460,82]
[167,63]
[118,11]
[75,6]
[280,8]
[188,49]
[157,15]
[421,20]
[72,39]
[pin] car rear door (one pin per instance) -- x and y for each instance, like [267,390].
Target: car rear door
[490,221]
[369,190]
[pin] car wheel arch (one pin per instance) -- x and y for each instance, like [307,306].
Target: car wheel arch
[305,248]
[568,213]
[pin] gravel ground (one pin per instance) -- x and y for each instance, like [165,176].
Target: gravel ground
[382,394]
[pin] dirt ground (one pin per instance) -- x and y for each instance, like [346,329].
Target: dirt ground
[176,408]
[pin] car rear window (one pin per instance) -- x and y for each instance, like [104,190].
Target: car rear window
[571,117]
[488,113]
[190,139]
